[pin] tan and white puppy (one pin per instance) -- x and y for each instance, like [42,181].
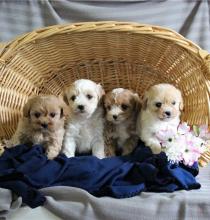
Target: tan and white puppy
[162,105]
[122,107]
[84,129]
[42,123]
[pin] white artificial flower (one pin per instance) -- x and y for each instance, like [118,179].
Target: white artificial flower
[184,146]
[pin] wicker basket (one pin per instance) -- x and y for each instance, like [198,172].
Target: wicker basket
[116,54]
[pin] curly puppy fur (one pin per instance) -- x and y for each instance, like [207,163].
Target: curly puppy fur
[162,105]
[84,130]
[42,123]
[122,107]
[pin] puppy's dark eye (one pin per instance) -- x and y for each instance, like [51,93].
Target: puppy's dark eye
[73,97]
[52,115]
[124,107]
[173,103]
[158,104]
[89,96]
[37,114]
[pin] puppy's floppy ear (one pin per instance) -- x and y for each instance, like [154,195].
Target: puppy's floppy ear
[64,108]
[27,108]
[181,104]
[145,100]
[103,102]
[100,91]
[65,98]
[137,105]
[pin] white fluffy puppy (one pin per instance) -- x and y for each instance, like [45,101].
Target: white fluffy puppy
[161,108]
[84,129]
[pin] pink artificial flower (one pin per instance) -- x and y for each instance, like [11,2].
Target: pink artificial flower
[184,145]
[203,132]
[189,157]
[181,142]
[189,138]
[165,136]
[183,128]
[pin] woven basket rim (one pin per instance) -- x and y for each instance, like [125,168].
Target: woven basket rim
[100,26]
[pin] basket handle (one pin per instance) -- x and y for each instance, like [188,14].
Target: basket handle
[206,58]
[206,74]
[207,61]
[207,71]
[2,47]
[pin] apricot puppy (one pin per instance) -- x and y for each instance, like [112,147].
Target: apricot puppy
[42,123]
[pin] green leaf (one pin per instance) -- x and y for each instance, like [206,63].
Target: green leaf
[196,130]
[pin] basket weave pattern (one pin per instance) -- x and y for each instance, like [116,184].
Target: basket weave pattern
[116,54]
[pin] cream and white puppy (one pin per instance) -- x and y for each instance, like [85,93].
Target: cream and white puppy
[84,129]
[122,107]
[161,108]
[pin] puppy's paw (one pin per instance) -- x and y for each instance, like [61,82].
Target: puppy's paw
[10,143]
[155,146]
[156,149]
[1,149]
[109,150]
[2,146]
[130,145]
[51,154]
[98,149]
[99,154]
[69,153]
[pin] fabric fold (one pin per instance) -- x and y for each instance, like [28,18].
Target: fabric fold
[25,170]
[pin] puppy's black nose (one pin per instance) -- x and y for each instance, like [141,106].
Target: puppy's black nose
[168,113]
[44,125]
[115,117]
[81,107]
